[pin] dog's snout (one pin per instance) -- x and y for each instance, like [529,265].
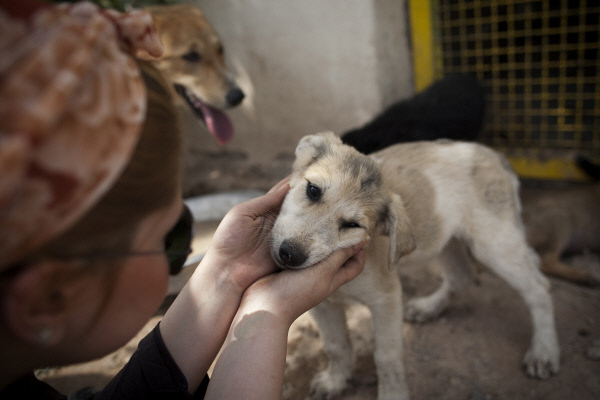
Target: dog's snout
[234,97]
[291,254]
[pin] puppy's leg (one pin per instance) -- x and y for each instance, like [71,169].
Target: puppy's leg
[389,354]
[549,231]
[331,321]
[552,265]
[552,242]
[500,245]
[385,303]
[457,271]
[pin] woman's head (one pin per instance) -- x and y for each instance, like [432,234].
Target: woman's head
[150,181]
[60,295]
[58,305]
[72,102]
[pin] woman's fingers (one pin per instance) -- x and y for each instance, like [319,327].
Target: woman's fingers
[351,267]
[269,202]
[280,184]
[346,264]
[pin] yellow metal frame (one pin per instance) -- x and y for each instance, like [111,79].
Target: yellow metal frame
[552,169]
[428,65]
[422,42]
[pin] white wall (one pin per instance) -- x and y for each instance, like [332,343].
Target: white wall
[309,65]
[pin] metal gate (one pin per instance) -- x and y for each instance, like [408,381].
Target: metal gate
[539,62]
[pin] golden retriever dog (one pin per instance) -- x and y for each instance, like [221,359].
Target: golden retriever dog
[194,62]
[417,203]
[560,221]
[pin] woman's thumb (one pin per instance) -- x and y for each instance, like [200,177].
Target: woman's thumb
[269,202]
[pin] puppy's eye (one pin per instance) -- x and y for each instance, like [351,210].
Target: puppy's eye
[349,225]
[220,50]
[192,56]
[313,192]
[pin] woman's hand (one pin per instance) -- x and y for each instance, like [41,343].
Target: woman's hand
[240,246]
[290,293]
[252,359]
[197,322]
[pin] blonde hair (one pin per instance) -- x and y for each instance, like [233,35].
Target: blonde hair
[150,181]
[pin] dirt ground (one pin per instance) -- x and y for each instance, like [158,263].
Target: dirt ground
[472,352]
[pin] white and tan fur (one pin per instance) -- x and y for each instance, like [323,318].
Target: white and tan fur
[417,203]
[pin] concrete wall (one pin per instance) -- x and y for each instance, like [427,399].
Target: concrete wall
[308,66]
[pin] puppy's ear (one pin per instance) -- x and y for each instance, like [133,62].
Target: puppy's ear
[396,224]
[312,147]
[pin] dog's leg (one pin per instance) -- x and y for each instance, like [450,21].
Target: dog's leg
[552,265]
[385,302]
[457,271]
[503,249]
[331,321]
[389,354]
[558,231]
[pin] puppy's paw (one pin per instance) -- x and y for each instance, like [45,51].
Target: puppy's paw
[327,384]
[421,309]
[542,361]
[393,393]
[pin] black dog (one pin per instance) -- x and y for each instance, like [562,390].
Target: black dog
[451,108]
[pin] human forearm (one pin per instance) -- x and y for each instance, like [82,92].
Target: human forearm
[195,326]
[252,362]
[197,323]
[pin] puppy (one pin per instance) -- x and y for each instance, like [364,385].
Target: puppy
[194,62]
[564,220]
[417,203]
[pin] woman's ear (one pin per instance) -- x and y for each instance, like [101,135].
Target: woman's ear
[35,303]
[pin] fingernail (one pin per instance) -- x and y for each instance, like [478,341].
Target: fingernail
[274,189]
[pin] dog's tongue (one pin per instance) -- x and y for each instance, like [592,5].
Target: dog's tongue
[218,124]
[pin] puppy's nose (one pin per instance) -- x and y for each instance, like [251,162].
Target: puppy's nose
[234,97]
[291,254]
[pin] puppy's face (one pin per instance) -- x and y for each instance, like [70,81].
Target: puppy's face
[194,61]
[337,199]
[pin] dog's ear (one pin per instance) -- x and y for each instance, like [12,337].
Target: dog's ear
[396,224]
[312,147]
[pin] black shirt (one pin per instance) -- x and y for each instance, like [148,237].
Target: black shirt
[151,373]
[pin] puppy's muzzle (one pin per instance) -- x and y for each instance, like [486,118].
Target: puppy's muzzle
[291,254]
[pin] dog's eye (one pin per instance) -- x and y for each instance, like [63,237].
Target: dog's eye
[192,56]
[349,225]
[220,50]
[313,192]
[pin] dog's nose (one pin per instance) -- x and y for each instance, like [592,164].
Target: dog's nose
[234,97]
[290,254]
